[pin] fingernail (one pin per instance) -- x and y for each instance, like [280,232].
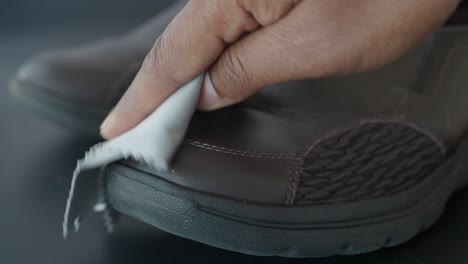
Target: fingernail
[209,98]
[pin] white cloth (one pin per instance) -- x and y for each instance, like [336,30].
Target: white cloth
[153,142]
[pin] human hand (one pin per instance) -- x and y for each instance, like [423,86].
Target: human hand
[248,44]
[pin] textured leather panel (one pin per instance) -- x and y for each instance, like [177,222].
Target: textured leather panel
[371,160]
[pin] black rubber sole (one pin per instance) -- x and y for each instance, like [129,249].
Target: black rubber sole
[297,231]
[75,117]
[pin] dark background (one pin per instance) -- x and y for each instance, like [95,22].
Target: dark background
[37,159]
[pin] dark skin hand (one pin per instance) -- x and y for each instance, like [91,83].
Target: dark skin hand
[245,45]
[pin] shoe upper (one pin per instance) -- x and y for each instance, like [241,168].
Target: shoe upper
[336,139]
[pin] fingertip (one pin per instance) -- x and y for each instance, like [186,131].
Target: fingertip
[107,127]
[116,124]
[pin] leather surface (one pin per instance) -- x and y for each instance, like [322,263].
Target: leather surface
[253,151]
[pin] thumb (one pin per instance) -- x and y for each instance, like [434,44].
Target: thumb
[264,57]
[241,70]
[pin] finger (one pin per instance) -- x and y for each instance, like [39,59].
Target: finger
[191,42]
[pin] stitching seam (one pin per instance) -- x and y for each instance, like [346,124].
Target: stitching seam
[249,154]
[294,172]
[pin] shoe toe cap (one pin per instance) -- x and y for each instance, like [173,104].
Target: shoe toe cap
[73,79]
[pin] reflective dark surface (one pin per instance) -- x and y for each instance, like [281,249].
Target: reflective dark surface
[37,159]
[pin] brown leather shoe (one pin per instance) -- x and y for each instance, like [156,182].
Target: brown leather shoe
[321,167]
[77,87]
